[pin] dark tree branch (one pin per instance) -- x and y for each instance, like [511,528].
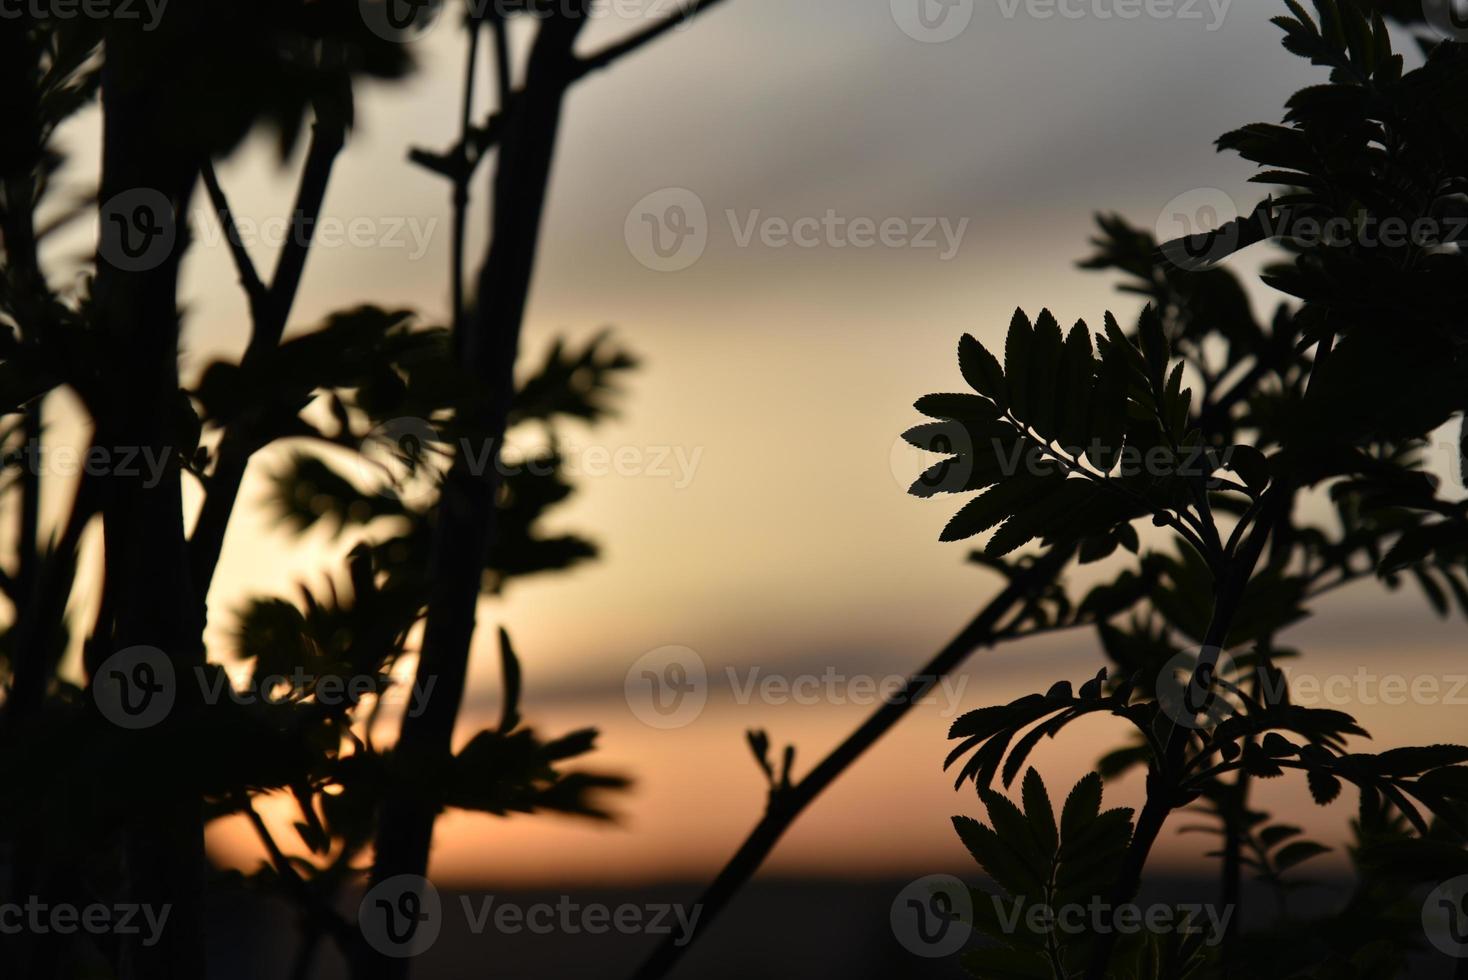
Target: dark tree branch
[615,52]
[785,806]
[462,176]
[148,141]
[480,141]
[1163,794]
[255,290]
[269,315]
[465,527]
[322,915]
[503,68]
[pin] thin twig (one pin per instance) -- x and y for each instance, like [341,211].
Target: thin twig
[268,322]
[615,52]
[480,141]
[462,177]
[342,931]
[786,806]
[254,288]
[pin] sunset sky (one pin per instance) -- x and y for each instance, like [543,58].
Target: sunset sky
[776,381]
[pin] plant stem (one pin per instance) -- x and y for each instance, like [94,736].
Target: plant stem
[270,310]
[466,514]
[1162,790]
[982,631]
[145,145]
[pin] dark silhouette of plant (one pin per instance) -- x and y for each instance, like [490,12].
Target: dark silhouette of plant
[1216,426]
[397,429]
[486,345]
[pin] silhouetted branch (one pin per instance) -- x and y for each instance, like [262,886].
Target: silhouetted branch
[504,83]
[615,52]
[45,606]
[472,148]
[462,174]
[984,630]
[269,318]
[1162,796]
[345,934]
[255,290]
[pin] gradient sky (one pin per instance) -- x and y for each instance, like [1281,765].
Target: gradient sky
[787,374]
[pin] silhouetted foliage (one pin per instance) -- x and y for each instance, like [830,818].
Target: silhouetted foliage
[1215,424]
[365,417]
